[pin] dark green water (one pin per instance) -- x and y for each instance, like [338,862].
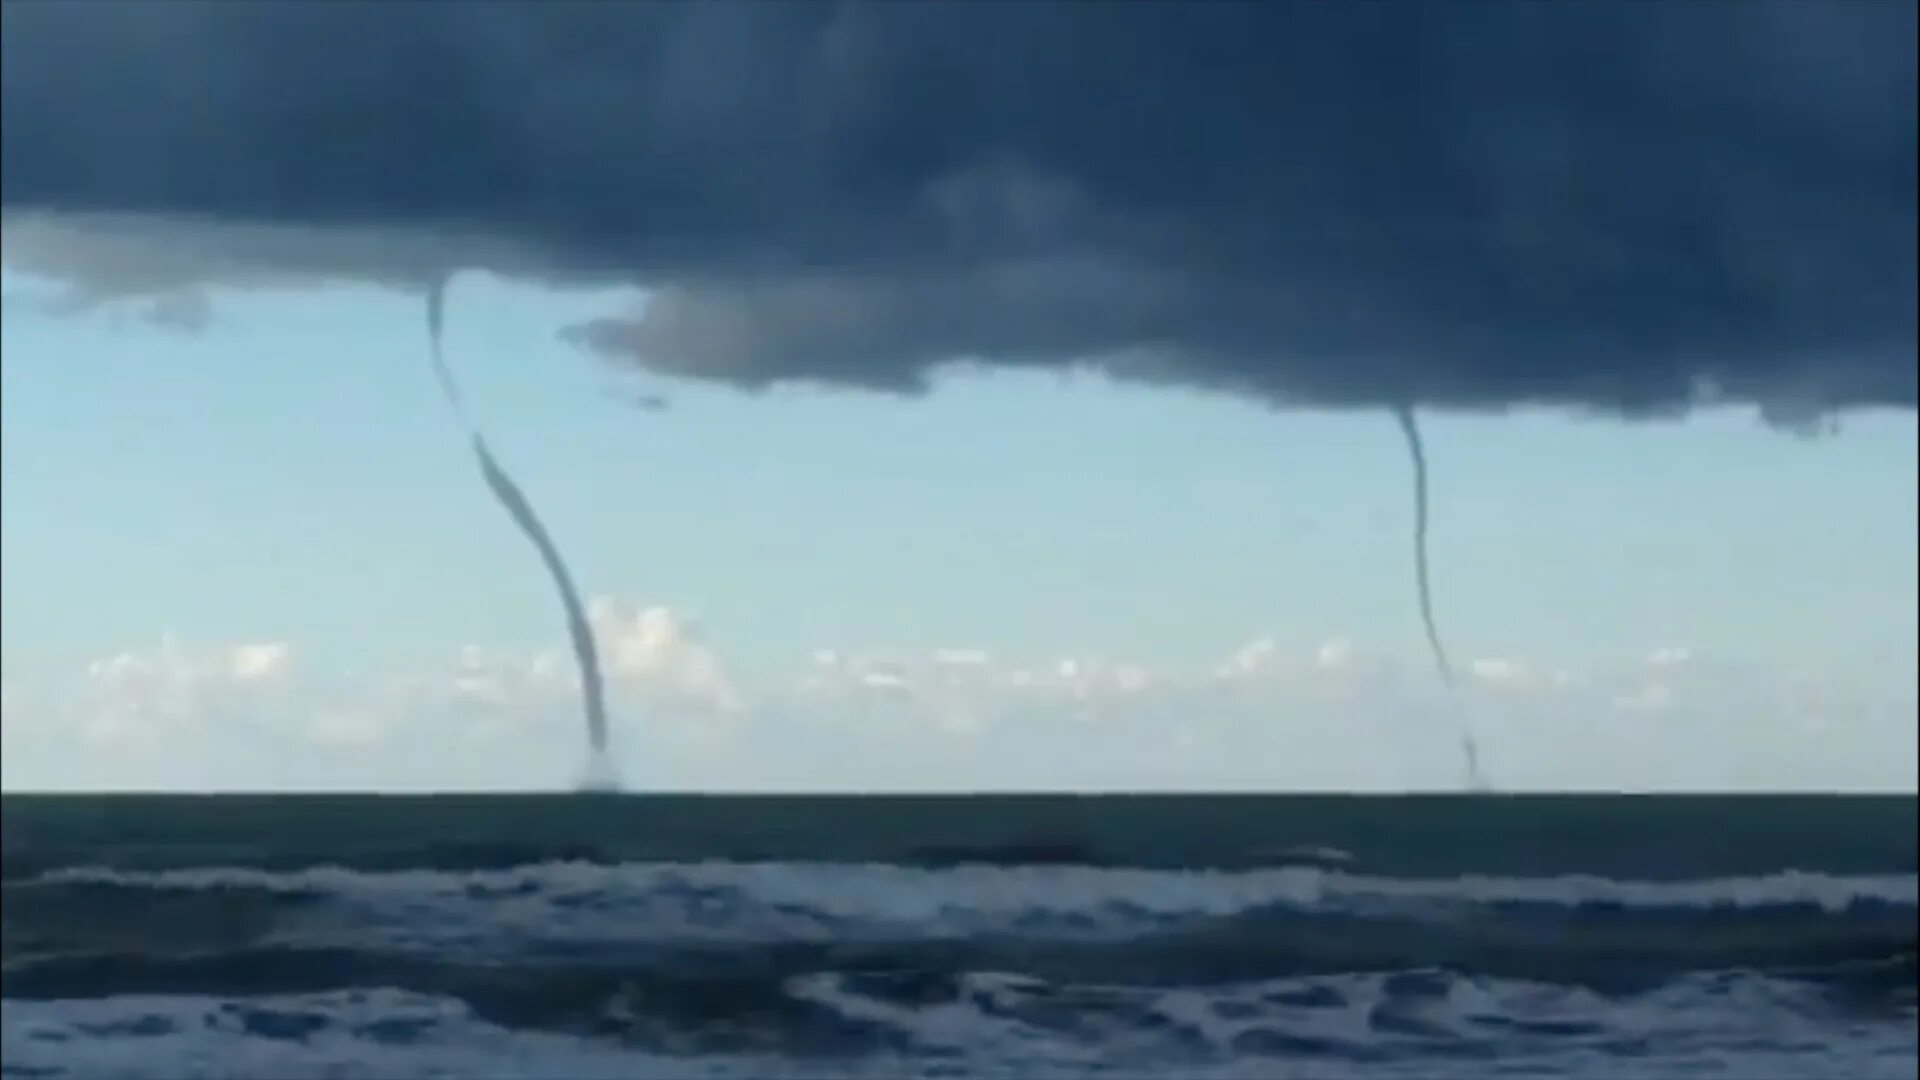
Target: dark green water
[1623,837]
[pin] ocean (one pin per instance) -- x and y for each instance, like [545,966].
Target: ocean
[1036,937]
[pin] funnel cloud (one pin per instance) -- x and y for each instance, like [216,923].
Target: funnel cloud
[1417,452]
[600,774]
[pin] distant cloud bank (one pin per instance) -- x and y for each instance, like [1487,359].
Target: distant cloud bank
[1338,716]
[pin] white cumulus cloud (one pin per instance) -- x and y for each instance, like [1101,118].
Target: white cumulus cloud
[1267,716]
[658,654]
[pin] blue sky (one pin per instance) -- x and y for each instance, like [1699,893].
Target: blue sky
[289,475]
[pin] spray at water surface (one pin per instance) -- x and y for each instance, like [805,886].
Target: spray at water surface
[599,774]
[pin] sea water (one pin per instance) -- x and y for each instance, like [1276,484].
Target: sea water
[621,936]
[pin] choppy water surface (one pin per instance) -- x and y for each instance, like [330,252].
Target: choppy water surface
[156,948]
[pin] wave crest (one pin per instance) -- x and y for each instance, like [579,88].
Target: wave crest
[76,931]
[916,894]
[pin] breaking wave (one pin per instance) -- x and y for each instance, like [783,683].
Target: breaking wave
[1436,1024]
[749,969]
[1063,923]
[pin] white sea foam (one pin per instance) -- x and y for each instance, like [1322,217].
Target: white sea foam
[901,894]
[179,1037]
[574,904]
[1355,1026]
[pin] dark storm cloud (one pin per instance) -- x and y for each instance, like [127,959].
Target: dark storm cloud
[1604,205]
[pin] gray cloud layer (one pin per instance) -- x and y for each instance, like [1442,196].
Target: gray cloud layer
[1599,205]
